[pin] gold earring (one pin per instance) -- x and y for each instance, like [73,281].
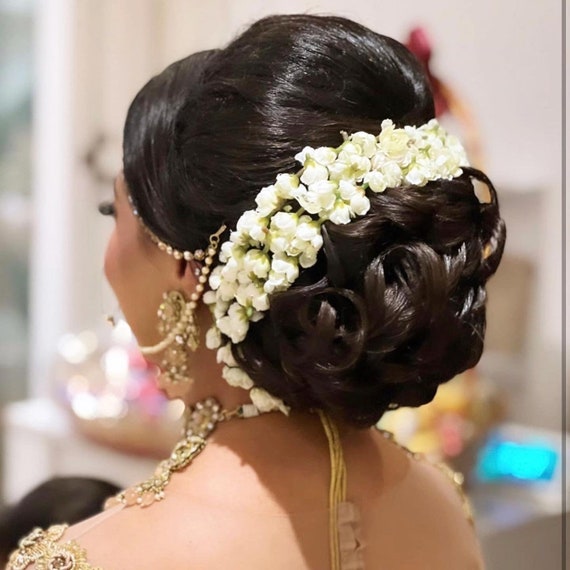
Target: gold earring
[178,324]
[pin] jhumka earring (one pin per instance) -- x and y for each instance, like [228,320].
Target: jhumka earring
[178,325]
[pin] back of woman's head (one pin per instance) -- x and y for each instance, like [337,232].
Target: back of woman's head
[395,304]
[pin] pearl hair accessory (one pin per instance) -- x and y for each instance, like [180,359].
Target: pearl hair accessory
[177,316]
[198,255]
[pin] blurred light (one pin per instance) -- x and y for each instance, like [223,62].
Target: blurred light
[72,349]
[509,460]
[115,363]
[89,340]
[76,385]
[85,406]
[122,333]
[111,406]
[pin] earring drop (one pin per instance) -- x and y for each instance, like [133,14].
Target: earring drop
[177,322]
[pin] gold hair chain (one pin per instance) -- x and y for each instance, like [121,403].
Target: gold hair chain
[178,325]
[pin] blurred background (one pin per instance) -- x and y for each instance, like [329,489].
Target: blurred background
[75,396]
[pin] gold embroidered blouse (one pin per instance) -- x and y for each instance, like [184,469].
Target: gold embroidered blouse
[42,548]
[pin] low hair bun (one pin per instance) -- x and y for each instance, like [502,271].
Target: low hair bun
[394,306]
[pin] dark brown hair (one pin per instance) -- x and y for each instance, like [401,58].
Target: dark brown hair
[396,302]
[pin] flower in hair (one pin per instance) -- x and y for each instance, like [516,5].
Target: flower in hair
[282,235]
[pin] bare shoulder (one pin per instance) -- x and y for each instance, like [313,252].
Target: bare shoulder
[182,531]
[421,517]
[119,539]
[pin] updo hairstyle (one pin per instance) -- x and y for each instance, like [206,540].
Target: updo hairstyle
[395,304]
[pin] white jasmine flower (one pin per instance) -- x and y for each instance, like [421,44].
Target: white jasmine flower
[286,185]
[281,231]
[302,156]
[392,174]
[218,307]
[309,256]
[308,231]
[252,295]
[215,277]
[340,214]
[339,170]
[376,181]
[260,303]
[278,243]
[319,197]
[307,201]
[265,402]
[416,176]
[347,190]
[366,142]
[231,269]
[275,282]
[255,315]
[209,297]
[360,167]
[348,150]
[235,324]
[395,143]
[250,226]
[230,250]
[284,271]
[227,290]
[224,355]
[359,204]
[324,155]
[213,338]
[237,378]
[256,263]
[284,223]
[313,172]
[285,265]
[267,201]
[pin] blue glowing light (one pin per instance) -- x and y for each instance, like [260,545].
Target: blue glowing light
[500,459]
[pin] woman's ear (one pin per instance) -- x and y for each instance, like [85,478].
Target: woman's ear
[187,275]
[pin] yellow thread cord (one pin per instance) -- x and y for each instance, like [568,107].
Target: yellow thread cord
[337,492]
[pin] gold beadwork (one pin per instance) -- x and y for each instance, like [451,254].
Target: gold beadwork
[41,548]
[200,421]
[198,255]
[178,325]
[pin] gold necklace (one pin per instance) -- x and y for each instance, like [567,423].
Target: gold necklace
[201,420]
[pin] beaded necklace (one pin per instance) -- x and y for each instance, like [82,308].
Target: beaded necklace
[201,420]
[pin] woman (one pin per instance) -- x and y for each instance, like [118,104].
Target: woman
[311,236]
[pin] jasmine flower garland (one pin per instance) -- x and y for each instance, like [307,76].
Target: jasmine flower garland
[283,233]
